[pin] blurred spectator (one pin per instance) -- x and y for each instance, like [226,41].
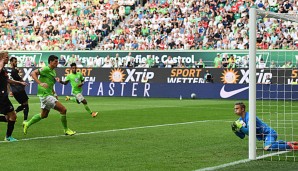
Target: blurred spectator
[244,62]
[225,60]
[62,61]
[180,63]
[217,61]
[232,62]
[107,60]
[98,62]
[117,63]
[272,64]
[288,64]
[201,64]
[41,64]
[71,60]
[128,59]
[90,62]
[78,62]
[28,62]
[107,64]
[261,64]
[150,61]
[169,62]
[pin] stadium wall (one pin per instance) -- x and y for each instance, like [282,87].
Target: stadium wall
[175,82]
[279,56]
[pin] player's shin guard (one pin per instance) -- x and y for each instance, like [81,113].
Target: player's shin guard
[26,111]
[10,127]
[3,119]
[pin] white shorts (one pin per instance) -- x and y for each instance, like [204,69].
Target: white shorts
[48,102]
[79,97]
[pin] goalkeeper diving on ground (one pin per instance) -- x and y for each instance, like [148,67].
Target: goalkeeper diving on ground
[263,131]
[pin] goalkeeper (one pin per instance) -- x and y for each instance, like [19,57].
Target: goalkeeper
[263,131]
[76,80]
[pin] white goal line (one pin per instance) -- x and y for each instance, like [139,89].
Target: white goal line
[240,161]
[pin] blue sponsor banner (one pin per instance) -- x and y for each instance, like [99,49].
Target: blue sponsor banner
[165,90]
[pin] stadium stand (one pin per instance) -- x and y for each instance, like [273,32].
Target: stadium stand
[142,25]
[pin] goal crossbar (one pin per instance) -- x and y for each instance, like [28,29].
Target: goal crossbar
[283,16]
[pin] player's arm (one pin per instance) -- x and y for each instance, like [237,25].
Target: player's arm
[34,74]
[240,134]
[244,130]
[82,81]
[62,82]
[10,81]
[9,89]
[1,63]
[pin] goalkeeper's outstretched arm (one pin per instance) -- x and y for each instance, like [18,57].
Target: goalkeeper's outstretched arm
[240,134]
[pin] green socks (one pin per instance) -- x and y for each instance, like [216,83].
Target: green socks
[34,119]
[64,121]
[87,108]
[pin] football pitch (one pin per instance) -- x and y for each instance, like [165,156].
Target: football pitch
[134,134]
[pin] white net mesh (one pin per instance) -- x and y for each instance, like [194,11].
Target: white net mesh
[278,94]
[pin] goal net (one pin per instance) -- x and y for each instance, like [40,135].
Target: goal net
[276,94]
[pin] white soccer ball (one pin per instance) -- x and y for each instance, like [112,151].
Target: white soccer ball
[193,95]
[243,123]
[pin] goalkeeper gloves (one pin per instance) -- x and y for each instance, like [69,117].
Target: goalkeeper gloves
[236,126]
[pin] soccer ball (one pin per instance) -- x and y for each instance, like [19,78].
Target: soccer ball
[243,123]
[193,95]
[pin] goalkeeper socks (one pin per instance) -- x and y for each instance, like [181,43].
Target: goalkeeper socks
[64,121]
[3,118]
[34,119]
[26,111]
[87,108]
[20,108]
[73,99]
[10,127]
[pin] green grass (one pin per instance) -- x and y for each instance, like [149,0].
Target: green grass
[204,140]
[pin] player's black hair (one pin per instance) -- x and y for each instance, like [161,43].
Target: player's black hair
[73,64]
[12,58]
[241,104]
[52,58]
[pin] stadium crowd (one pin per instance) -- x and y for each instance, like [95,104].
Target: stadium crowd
[141,25]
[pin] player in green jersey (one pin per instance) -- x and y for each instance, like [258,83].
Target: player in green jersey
[45,92]
[76,80]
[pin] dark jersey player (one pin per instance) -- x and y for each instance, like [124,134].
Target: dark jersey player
[18,90]
[6,107]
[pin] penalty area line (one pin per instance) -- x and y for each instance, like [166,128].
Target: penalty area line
[241,161]
[121,129]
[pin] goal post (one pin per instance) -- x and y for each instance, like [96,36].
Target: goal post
[252,84]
